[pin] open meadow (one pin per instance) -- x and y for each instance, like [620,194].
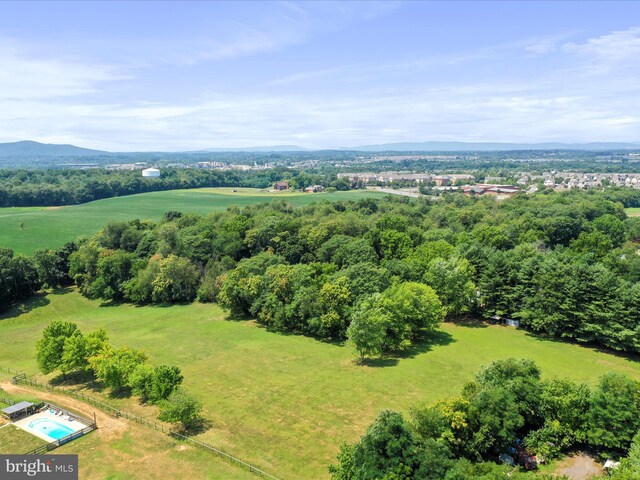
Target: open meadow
[286,402]
[632,212]
[26,229]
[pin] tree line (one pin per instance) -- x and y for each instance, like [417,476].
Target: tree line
[378,272]
[28,188]
[64,348]
[506,416]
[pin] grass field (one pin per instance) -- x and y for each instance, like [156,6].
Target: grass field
[31,228]
[286,402]
[120,449]
[632,212]
[16,440]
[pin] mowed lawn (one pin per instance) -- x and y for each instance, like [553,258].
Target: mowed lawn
[286,402]
[31,228]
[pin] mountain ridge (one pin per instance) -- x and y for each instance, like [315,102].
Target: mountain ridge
[29,148]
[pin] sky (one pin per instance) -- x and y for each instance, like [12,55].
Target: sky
[170,76]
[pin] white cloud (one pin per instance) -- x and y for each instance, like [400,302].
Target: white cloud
[26,76]
[613,47]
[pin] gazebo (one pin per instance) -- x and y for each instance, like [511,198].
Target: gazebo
[17,410]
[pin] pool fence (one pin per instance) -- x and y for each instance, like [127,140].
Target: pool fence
[21,379]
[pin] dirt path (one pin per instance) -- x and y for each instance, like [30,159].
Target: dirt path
[579,467]
[107,426]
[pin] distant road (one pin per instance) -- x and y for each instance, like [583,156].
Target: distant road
[404,193]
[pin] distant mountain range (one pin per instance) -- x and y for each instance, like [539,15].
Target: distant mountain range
[30,149]
[490,146]
[273,148]
[35,149]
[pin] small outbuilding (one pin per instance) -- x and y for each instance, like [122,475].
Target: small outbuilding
[279,186]
[314,189]
[17,410]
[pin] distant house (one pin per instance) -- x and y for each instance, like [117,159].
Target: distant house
[442,180]
[279,186]
[314,189]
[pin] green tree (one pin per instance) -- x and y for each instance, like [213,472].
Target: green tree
[366,332]
[113,272]
[387,451]
[614,416]
[79,348]
[141,381]
[452,280]
[113,367]
[50,348]
[181,407]
[563,406]
[612,227]
[411,308]
[629,468]
[177,281]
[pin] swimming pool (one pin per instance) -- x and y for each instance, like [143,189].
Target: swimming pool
[53,429]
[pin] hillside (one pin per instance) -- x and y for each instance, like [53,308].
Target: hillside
[29,149]
[491,146]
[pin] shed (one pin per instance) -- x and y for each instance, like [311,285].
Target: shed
[17,410]
[281,186]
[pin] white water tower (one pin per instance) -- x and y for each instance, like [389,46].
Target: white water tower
[151,173]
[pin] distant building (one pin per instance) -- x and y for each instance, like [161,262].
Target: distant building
[442,180]
[279,186]
[151,173]
[314,189]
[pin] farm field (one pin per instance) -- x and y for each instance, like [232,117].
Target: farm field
[31,228]
[632,212]
[285,402]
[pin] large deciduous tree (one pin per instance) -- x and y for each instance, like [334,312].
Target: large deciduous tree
[50,348]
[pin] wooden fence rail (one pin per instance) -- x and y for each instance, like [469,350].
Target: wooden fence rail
[21,378]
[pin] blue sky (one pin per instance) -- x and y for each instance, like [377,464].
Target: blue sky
[175,76]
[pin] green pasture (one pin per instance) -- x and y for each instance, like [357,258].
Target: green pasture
[286,402]
[14,440]
[632,212]
[31,228]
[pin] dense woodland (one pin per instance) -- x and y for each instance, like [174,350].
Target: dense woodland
[506,410]
[377,272]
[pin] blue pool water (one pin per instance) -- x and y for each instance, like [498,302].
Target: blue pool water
[51,428]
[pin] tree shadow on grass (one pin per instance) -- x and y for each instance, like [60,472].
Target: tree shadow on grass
[628,356]
[469,322]
[36,301]
[71,379]
[424,345]
[201,425]
[62,290]
[240,317]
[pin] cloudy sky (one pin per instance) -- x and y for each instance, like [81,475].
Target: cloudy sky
[175,76]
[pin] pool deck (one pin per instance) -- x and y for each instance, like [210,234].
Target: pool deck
[23,423]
